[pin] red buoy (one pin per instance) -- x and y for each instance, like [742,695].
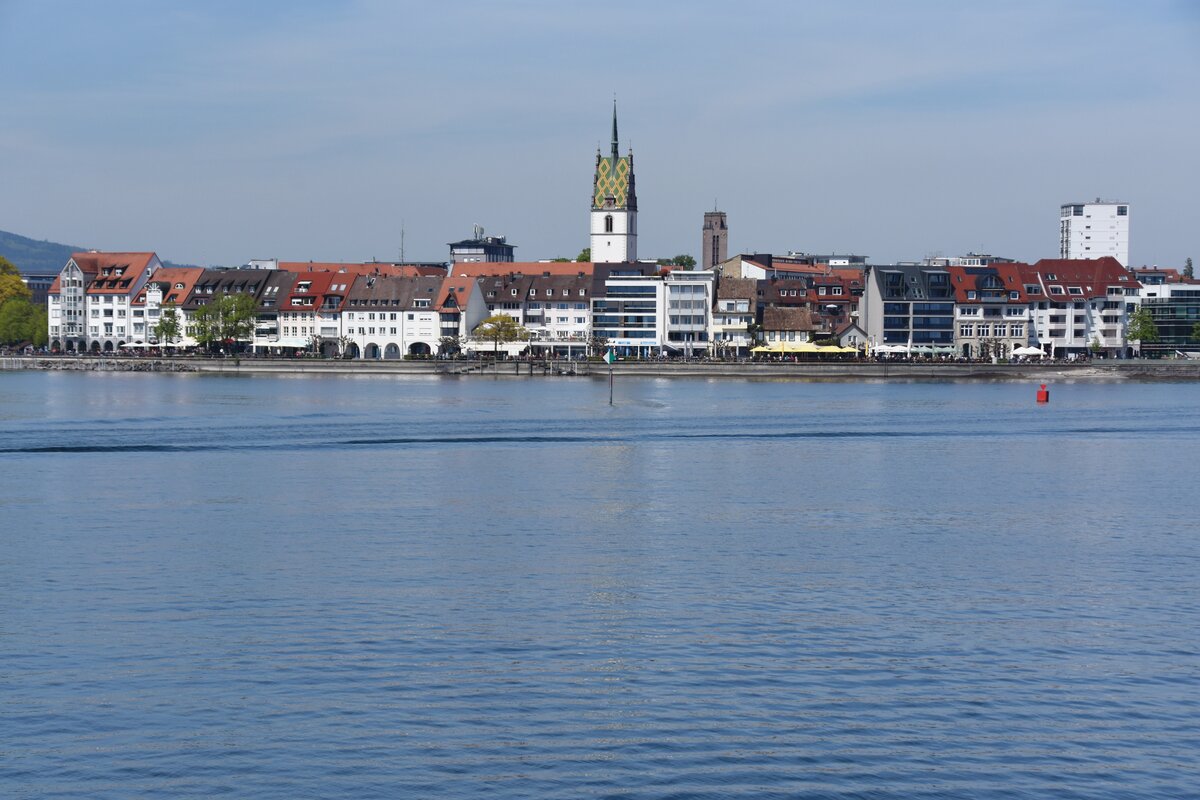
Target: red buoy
[1043,395]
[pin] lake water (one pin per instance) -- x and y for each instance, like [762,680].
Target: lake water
[476,588]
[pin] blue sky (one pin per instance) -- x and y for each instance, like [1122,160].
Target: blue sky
[216,132]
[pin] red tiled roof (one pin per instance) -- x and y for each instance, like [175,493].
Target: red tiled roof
[776,318]
[1092,276]
[973,279]
[172,276]
[483,269]
[319,282]
[461,288]
[369,268]
[131,266]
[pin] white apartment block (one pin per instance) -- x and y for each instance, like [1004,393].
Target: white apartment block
[1094,230]
[89,304]
[689,298]
[647,315]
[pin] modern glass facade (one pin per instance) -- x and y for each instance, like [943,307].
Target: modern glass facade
[1176,318]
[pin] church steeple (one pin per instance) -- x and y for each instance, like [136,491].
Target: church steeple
[614,139]
[614,204]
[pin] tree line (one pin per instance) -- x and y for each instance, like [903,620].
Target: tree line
[21,322]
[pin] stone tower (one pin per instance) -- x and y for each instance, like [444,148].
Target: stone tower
[614,205]
[715,239]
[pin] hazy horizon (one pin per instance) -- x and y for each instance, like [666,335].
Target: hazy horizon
[214,133]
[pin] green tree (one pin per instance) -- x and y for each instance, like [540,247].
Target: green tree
[584,255]
[11,284]
[500,328]
[1142,328]
[682,260]
[1187,268]
[228,319]
[1195,337]
[754,331]
[167,328]
[21,321]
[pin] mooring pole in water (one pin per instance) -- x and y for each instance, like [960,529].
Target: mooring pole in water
[1043,394]
[610,357]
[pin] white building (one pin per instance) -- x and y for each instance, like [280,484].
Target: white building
[642,314]
[1094,230]
[689,298]
[89,304]
[1080,306]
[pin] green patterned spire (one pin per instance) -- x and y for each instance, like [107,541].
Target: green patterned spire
[612,186]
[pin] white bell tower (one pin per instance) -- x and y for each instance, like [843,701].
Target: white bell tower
[614,205]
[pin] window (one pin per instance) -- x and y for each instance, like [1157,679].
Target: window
[1056,290]
[966,329]
[1017,330]
[608,223]
[1122,211]
[1074,290]
[985,330]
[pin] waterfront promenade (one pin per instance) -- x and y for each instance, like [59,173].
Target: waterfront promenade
[1105,370]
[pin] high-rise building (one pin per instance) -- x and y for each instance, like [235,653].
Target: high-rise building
[1094,230]
[714,244]
[614,206]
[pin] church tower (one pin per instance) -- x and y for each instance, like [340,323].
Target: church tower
[614,205]
[714,243]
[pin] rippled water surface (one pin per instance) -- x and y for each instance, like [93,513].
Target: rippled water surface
[469,588]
